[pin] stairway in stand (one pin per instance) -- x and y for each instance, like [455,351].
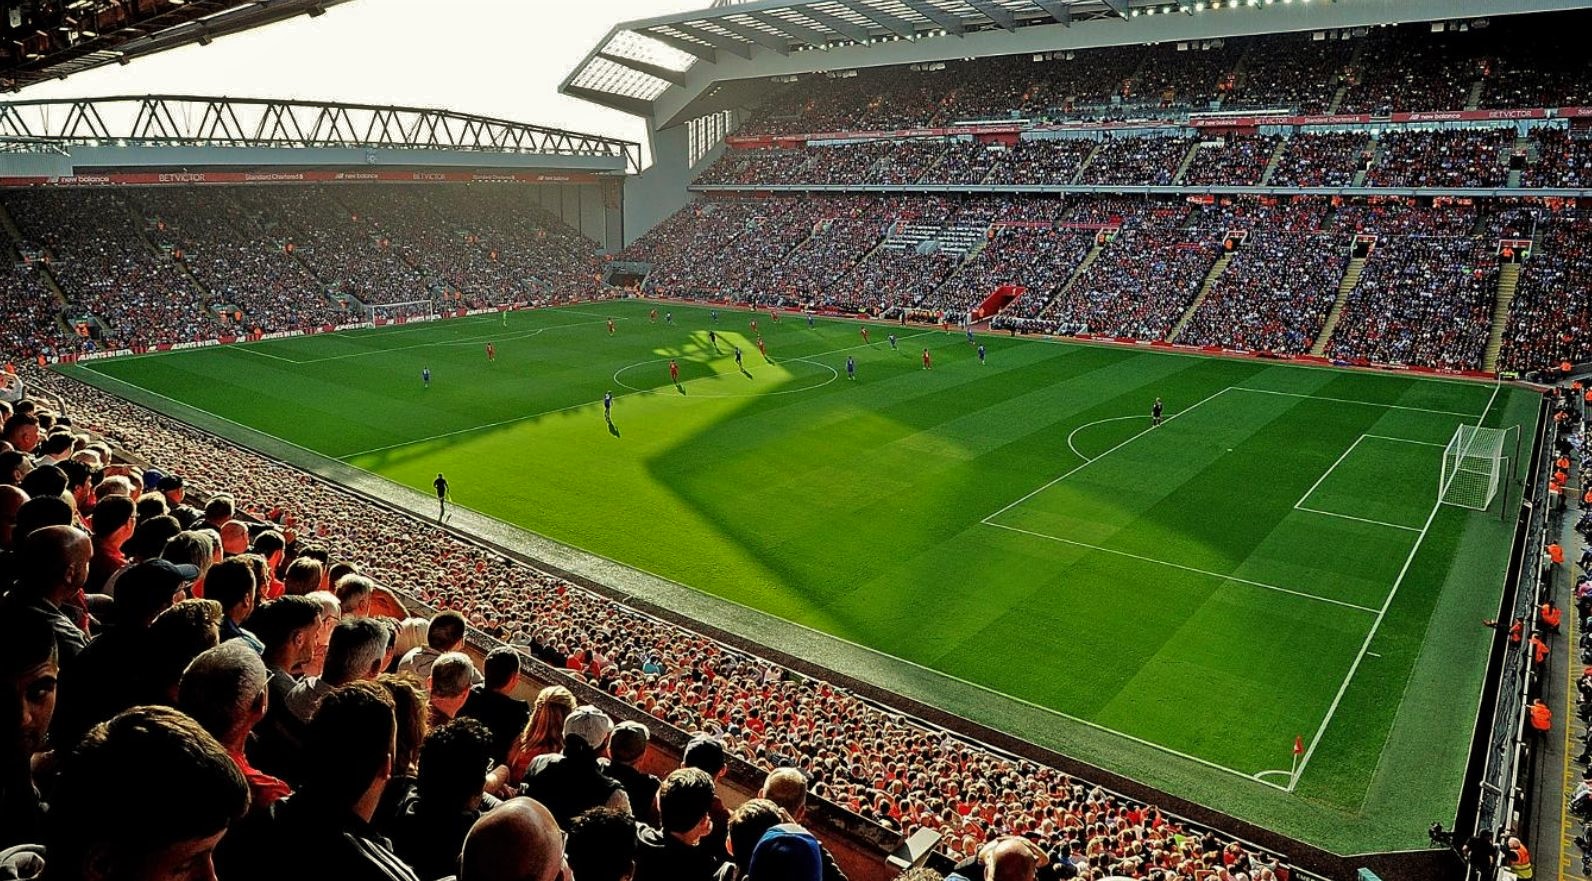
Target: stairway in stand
[1351,277]
[1508,280]
[1205,289]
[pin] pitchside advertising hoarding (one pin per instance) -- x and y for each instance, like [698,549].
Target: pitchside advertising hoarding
[186,178]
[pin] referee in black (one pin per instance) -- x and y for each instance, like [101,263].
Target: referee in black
[441,483]
[1155,419]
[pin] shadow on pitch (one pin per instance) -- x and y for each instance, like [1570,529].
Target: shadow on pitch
[612,428]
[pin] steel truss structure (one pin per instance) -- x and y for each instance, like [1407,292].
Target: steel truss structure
[193,121]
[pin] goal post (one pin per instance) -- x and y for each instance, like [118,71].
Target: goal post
[1472,467]
[388,313]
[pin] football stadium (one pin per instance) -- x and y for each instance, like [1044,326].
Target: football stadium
[969,439]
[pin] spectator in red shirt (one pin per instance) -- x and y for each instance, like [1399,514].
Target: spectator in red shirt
[224,691]
[113,525]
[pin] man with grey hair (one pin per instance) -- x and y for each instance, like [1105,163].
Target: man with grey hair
[787,787]
[193,548]
[224,690]
[354,653]
[354,592]
[449,686]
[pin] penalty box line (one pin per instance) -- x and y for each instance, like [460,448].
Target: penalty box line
[1301,506]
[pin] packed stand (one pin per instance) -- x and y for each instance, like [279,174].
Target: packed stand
[1406,68]
[98,255]
[1528,65]
[297,710]
[1564,159]
[1239,159]
[1042,161]
[1036,257]
[1550,318]
[1273,296]
[1420,300]
[1320,160]
[1453,158]
[1187,76]
[30,317]
[241,267]
[1136,161]
[1290,71]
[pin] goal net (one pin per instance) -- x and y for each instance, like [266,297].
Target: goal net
[390,313]
[1472,465]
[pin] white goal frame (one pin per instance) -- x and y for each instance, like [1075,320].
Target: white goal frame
[1473,466]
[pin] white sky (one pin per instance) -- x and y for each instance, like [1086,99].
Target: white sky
[493,57]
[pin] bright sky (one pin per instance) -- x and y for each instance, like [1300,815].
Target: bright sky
[500,58]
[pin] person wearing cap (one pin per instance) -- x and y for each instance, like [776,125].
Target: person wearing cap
[787,787]
[674,851]
[626,746]
[108,676]
[788,852]
[571,781]
[171,486]
[705,753]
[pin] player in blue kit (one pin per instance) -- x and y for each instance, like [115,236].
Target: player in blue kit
[810,321]
[851,367]
[713,338]
[970,334]
[981,353]
[425,376]
[892,342]
[738,359]
[608,406]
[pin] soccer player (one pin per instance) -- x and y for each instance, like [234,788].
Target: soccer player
[762,347]
[674,372]
[491,351]
[714,314]
[754,324]
[1155,413]
[668,318]
[713,338]
[441,486]
[608,406]
[425,376]
[927,364]
[653,315]
[851,368]
[970,333]
[981,353]
[773,314]
[865,335]
[505,314]
[610,327]
[810,323]
[738,359]
[892,340]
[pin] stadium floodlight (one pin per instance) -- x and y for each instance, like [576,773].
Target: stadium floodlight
[1472,464]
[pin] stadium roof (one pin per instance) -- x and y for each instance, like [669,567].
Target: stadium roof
[653,67]
[45,40]
[192,121]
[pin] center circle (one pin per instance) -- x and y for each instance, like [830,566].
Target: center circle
[812,375]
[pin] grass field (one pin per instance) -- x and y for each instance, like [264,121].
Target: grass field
[1176,603]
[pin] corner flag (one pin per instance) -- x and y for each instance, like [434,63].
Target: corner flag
[1299,745]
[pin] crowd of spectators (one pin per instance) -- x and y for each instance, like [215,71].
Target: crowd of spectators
[1130,161]
[93,242]
[1451,158]
[1235,159]
[1273,296]
[1564,159]
[1320,160]
[30,316]
[1407,68]
[1421,300]
[298,708]
[240,266]
[1550,317]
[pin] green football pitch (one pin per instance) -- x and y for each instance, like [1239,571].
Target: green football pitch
[1177,603]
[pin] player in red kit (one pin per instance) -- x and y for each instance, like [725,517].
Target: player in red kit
[491,352]
[762,348]
[754,325]
[653,316]
[865,336]
[674,372]
[927,364]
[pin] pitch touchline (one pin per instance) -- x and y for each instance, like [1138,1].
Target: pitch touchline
[1267,391]
[1261,584]
[1365,647]
[502,422]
